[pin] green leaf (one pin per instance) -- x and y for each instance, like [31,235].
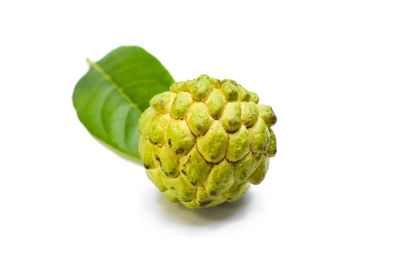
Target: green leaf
[110,97]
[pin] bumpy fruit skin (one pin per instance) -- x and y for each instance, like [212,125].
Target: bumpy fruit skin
[205,141]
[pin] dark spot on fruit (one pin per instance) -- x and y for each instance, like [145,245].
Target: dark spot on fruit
[179,150]
[229,198]
[173,188]
[273,119]
[213,193]
[169,142]
[204,203]
[193,183]
[146,166]
[183,171]
[158,159]
[171,173]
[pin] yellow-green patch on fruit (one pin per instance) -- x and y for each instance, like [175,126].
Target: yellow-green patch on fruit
[238,144]
[202,88]
[231,118]
[147,153]
[271,151]
[181,104]
[244,95]
[179,137]
[249,113]
[216,103]
[220,178]
[146,120]
[157,128]
[158,178]
[259,136]
[237,191]
[267,114]
[167,161]
[194,168]
[246,166]
[258,175]
[162,102]
[254,97]
[212,145]
[199,120]
[205,141]
[230,90]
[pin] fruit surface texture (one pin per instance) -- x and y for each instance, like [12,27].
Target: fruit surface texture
[205,141]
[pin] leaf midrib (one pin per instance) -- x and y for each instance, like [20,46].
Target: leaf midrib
[108,78]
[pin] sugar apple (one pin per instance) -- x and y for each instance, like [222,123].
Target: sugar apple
[204,141]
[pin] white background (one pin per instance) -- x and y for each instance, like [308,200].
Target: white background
[330,70]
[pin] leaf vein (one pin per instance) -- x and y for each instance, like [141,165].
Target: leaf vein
[108,78]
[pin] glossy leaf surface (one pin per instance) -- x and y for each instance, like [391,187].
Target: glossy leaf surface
[110,97]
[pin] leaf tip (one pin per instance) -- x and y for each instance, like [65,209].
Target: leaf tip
[89,62]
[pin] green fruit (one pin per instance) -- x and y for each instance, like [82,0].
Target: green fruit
[204,141]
